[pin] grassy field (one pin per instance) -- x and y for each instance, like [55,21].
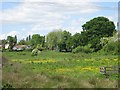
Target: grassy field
[52,69]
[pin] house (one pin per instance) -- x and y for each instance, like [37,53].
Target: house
[21,47]
[6,46]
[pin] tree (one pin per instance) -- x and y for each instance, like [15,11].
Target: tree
[53,38]
[76,40]
[3,43]
[37,39]
[70,44]
[22,42]
[95,29]
[15,40]
[11,41]
[28,42]
[42,41]
[29,38]
[64,42]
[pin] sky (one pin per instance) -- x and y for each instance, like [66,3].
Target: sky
[28,17]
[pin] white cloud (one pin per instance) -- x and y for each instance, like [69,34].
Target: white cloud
[13,33]
[75,25]
[47,15]
[2,36]
[39,12]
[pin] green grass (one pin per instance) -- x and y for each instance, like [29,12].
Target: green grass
[52,69]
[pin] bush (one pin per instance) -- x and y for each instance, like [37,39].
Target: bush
[28,50]
[39,47]
[112,47]
[35,52]
[84,49]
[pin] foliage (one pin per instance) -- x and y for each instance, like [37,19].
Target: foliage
[95,43]
[35,52]
[76,40]
[95,29]
[64,44]
[53,38]
[83,49]
[59,40]
[100,26]
[3,42]
[37,39]
[39,47]
[22,42]
[11,41]
[104,41]
[15,40]
[97,32]
[110,44]
[112,47]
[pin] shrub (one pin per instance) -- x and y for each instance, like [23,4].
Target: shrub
[29,50]
[77,49]
[84,49]
[35,52]
[112,47]
[39,47]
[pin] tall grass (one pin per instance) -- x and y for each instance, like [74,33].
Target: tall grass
[67,71]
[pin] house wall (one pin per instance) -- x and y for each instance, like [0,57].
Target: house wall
[6,46]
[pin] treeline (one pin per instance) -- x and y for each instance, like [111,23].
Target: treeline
[89,40]
[12,41]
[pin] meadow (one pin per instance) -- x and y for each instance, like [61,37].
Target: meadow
[52,69]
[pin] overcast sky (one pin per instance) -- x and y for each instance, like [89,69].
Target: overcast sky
[24,17]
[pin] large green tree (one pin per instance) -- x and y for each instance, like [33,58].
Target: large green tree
[95,29]
[37,39]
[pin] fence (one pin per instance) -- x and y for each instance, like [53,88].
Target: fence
[110,70]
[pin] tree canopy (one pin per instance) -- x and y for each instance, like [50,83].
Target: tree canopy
[37,39]
[95,29]
[62,40]
[53,38]
[12,41]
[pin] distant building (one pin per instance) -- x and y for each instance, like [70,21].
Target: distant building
[6,46]
[21,47]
